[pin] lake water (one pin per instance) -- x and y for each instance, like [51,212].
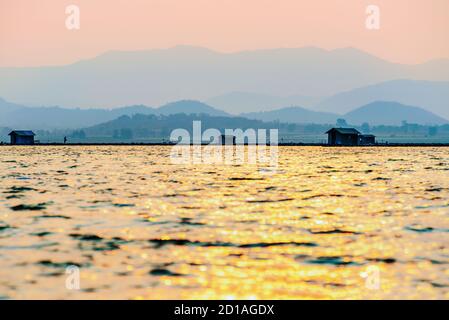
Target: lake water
[328,223]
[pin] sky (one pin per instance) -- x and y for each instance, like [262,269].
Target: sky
[34,33]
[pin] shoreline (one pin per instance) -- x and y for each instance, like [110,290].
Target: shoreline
[279,144]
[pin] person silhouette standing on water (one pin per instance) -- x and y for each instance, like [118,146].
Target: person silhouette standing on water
[65,140]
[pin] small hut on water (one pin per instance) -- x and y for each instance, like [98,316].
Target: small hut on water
[349,137]
[343,137]
[22,137]
[367,139]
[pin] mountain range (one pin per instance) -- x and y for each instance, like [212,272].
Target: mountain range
[391,113]
[375,113]
[19,116]
[154,77]
[294,85]
[430,95]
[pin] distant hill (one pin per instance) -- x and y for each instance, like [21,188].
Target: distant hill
[392,113]
[430,95]
[7,108]
[294,115]
[375,113]
[155,76]
[237,102]
[19,116]
[46,118]
[189,107]
[145,126]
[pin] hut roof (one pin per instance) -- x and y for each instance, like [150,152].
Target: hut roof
[344,130]
[23,133]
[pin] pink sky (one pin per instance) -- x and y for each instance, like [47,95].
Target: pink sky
[33,32]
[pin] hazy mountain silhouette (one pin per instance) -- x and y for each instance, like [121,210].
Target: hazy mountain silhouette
[156,76]
[391,113]
[294,115]
[235,102]
[19,116]
[430,95]
[189,107]
[375,113]
[145,126]
[7,108]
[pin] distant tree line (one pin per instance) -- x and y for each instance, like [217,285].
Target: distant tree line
[154,126]
[139,126]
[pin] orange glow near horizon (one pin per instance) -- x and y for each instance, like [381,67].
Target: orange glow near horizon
[33,33]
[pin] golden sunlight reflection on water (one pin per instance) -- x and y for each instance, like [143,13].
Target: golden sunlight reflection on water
[140,227]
